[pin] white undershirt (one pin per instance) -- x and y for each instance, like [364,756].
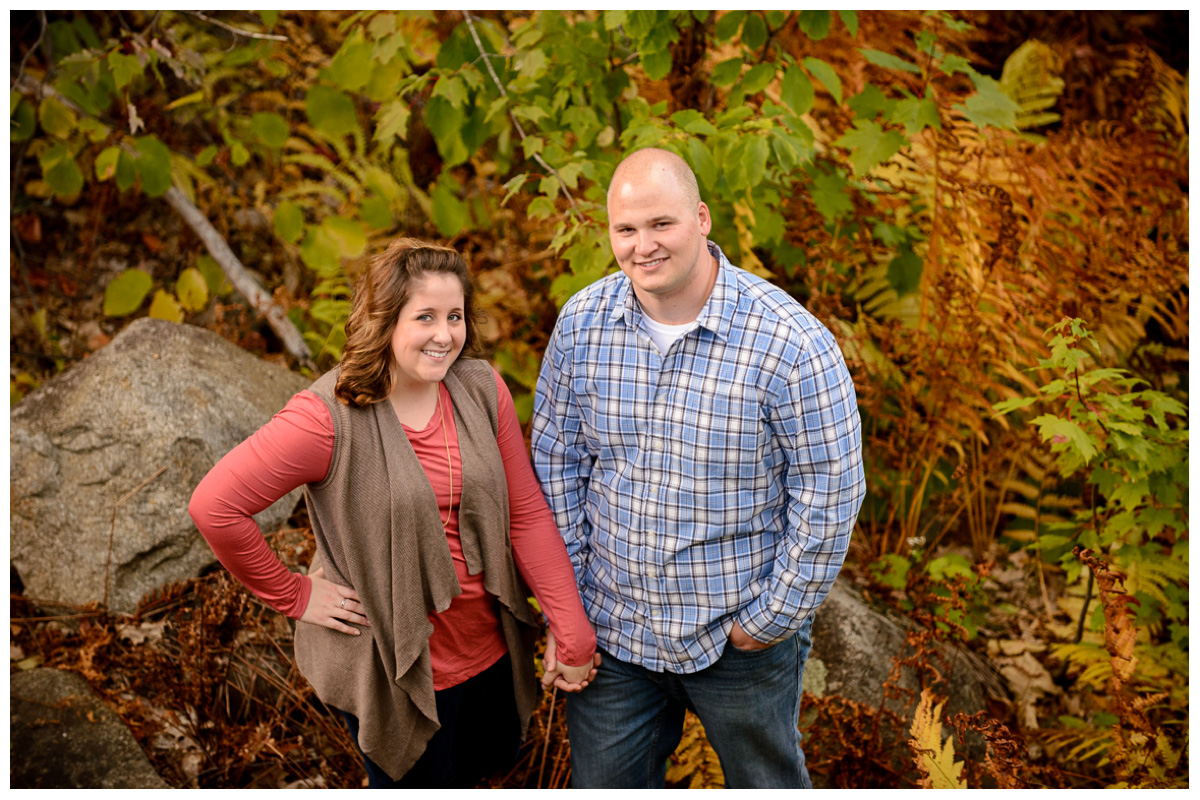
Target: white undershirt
[664,335]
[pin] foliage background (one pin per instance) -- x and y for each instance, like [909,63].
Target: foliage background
[988,209]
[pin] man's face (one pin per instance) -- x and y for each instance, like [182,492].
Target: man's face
[658,237]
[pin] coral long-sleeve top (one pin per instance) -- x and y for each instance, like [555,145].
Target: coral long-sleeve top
[296,447]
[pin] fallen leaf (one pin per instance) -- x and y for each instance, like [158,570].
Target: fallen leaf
[29,227]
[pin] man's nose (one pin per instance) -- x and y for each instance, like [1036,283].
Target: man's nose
[646,243]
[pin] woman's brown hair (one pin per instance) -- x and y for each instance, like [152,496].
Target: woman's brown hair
[366,375]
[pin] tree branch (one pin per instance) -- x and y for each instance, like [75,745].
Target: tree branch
[262,302]
[236,31]
[516,123]
[258,298]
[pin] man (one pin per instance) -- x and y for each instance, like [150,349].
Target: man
[697,436]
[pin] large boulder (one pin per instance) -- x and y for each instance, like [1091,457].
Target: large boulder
[90,444]
[64,737]
[856,644]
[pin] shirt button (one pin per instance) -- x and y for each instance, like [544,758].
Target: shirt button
[652,572]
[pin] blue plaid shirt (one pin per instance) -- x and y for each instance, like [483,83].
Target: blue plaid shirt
[717,482]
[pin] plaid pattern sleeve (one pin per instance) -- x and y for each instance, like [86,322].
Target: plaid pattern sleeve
[718,481]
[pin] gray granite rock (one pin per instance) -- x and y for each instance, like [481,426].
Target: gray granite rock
[160,396]
[64,737]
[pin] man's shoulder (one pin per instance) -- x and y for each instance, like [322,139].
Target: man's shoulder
[774,304]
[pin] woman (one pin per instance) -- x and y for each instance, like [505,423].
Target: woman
[424,508]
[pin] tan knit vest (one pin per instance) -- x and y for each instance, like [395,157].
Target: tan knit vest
[377,528]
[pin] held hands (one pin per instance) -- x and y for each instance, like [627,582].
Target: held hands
[331,605]
[564,676]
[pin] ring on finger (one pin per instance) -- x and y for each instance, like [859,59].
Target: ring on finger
[343,605]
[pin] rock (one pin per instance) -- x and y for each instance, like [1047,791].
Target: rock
[161,396]
[63,737]
[855,644]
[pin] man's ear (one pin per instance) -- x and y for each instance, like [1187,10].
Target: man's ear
[705,218]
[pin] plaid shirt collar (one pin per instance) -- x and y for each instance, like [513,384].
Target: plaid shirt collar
[717,315]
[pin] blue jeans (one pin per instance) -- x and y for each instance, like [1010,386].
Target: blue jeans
[625,725]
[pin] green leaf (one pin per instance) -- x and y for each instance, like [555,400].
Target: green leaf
[1064,431]
[347,234]
[758,77]
[376,212]
[891,570]
[882,59]
[532,145]
[613,19]
[192,289]
[990,106]
[95,130]
[850,19]
[22,118]
[703,164]
[1005,406]
[124,68]
[153,164]
[657,65]
[830,196]
[757,151]
[453,89]
[693,121]
[239,156]
[450,214]
[330,111]
[952,64]
[126,171]
[125,293]
[106,163]
[57,120]
[445,122]
[754,34]
[904,271]
[165,306]
[214,276]
[916,115]
[391,121]
[269,128]
[870,145]
[540,208]
[797,92]
[320,253]
[206,156]
[730,24]
[826,75]
[353,63]
[815,24]
[727,72]
[870,102]
[61,172]
[289,221]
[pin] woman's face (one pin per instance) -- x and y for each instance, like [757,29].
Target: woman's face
[430,331]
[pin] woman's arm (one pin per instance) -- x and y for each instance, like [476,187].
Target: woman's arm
[538,549]
[292,449]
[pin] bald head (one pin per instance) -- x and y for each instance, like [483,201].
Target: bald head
[652,165]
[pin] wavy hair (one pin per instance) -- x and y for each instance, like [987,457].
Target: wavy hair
[388,283]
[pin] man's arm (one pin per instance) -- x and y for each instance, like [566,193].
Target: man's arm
[560,455]
[817,423]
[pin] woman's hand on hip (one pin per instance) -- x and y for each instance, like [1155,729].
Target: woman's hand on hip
[332,606]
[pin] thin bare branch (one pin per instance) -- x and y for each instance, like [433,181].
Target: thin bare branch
[235,30]
[29,52]
[262,302]
[516,123]
[258,298]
